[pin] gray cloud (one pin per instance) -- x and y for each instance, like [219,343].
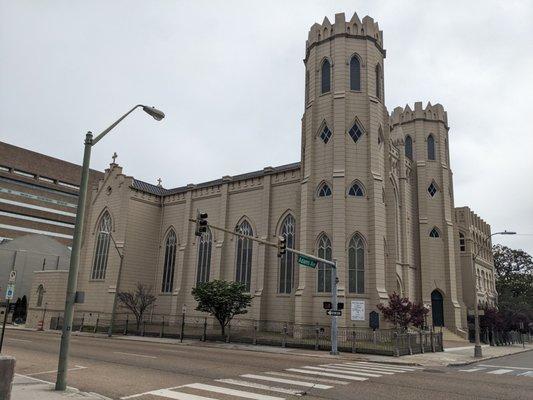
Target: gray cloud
[229,76]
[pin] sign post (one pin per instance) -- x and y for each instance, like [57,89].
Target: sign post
[10,291]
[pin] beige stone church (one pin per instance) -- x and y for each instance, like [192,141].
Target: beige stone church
[372,190]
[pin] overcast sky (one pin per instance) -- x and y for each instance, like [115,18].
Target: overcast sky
[229,76]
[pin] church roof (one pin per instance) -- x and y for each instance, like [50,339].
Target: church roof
[161,191]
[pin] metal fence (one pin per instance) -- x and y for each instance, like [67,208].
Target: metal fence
[254,332]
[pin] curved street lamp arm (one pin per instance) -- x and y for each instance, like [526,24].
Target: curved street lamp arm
[105,132]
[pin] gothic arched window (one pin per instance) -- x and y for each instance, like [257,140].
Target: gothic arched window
[326,76]
[40,294]
[356,265]
[378,81]
[409,147]
[102,247]
[355,73]
[324,190]
[204,257]
[286,265]
[324,271]
[356,190]
[244,255]
[431,147]
[434,233]
[169,263]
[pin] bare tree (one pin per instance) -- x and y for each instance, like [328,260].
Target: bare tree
[137,301]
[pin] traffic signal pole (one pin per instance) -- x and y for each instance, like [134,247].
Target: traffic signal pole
[332,264]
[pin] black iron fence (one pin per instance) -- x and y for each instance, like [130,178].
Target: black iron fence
[254,332]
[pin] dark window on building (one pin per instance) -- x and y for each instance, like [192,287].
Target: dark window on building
[432,189]
[40,295]
[324,271]
[434,233]
[356,265]
[355,132]
[356,190]
[378,81]
[355,73]
[244,255]
[169,263]
[431,147]
[325,135]
[286,265]
[326,76]
[102,247]
[204,257]
[409,147]
[324,190]
[462,242]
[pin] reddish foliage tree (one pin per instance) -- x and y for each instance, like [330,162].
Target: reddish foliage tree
[418,315]
[398,311]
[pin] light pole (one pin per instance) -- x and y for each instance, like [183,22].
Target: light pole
[478,353]
[117,286]
[61,381]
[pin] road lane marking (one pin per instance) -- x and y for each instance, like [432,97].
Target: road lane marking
[360,369]
[320,373]
[333,370]
[473,369]
[310,378]
[176,395]
[232,392]
[77,367]
[527,373]
[503,366]
[134,354]
[287,381]
[500,371]
[260,386]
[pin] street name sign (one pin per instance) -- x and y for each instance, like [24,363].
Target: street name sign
[307,262]
[10,291]
[334,313]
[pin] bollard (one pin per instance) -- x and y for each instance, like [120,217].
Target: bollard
[7,373]
[182,327]
[204,336]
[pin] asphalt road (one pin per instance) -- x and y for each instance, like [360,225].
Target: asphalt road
[153,371]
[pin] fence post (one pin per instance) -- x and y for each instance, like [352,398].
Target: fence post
[143,328]
[182,327]
[204,336]
[432,339]
[82,321]
[256,327]
[421,341]
[409,343]
[284,338]
[396,344]
[353,342]
[126,327]
[317,333]
[162,331]
[229,333]
[96,325]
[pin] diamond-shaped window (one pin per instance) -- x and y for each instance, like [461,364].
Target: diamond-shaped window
[432,189]
[325,135]
[355,132]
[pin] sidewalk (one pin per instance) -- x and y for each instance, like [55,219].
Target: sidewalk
[26,388]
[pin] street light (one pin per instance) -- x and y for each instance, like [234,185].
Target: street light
[113,311]
[478,353]
[61,381]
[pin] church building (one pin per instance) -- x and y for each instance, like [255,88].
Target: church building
[372,190]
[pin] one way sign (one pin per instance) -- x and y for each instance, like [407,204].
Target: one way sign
[334,313]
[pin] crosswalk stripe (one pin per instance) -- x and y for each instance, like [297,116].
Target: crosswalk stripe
[287,381]
[170,394]
[320,373]
[472,369]
[311,378]
[353,368]
[527,373]
[394,371]
[260,386]
[232,392]
[383,366]
[340,371]
[500,371]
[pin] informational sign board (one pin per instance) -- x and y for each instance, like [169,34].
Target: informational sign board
[12,276]
[307,262]
[358,310]
[10,291]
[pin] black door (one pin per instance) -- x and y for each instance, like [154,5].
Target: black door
[437,309]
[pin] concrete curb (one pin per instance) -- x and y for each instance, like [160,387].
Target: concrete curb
[460,364]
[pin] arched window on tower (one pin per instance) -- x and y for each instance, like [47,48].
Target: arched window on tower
[306,87]
[434,233]
[244,255]
[102,247]
[431,147]
[378,81]
[324,190]
[326,76]
[167,283]
[356,190]
[356,265]
[204,257]
[40,295]
[355,73]
[409,147]
[286,265]
[324,271]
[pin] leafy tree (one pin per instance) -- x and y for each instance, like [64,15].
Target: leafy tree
[418,315]
[398,311]
[137,301]
[222,299]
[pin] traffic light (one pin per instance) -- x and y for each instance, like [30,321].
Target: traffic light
[327,305]
[340,306]
[201,223]
[282,245]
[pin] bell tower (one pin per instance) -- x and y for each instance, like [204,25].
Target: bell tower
[344,138]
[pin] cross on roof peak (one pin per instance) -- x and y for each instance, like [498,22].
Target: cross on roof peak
[159,180]
[114,157]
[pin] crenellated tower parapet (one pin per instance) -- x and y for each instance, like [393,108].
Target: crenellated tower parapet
[354,28]
[431,113]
